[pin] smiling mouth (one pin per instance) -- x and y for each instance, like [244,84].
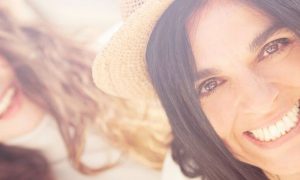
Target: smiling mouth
[7,101]
[280,128]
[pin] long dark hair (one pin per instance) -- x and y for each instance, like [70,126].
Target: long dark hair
[171,66]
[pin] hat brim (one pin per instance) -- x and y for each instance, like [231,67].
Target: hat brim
[120,68]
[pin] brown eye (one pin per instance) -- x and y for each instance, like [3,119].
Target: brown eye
[208,86]
[273,47]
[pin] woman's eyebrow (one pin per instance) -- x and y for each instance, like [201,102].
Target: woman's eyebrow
[257,42]
[202,74]
[262,37]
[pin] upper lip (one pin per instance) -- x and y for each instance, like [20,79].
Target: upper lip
[270,118]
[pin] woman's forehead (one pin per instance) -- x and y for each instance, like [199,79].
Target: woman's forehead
[225,30]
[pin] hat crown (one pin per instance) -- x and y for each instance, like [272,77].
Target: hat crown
[128,7]
[120,67]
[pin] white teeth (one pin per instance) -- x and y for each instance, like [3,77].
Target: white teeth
[6,100]
[288,123]
[280,128]
[260,133]
[255,133]
[267,135]
[275,133]
[292,116]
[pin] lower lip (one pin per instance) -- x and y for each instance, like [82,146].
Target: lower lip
[13,107]
[273,144]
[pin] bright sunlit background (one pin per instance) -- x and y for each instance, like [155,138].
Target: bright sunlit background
[84,20]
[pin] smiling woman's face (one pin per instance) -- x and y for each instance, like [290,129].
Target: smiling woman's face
[18,114]
[249,83]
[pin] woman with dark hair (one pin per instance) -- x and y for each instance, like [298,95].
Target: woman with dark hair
[226,73]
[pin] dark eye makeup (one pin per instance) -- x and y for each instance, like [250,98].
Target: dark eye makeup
[273,47]
[270,49]
[208,86]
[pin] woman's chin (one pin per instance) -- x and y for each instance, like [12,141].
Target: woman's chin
[282,157]
[285,165]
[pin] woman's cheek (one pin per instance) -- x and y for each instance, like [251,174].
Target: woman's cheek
[289,70]
[283,71]
[221,112]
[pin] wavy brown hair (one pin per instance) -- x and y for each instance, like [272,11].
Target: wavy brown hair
[139,129]
[55,73]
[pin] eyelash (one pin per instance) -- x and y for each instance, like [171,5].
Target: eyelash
[267,51]
[273,47]
[210,85]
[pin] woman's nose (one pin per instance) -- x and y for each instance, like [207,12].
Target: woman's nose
[257,95]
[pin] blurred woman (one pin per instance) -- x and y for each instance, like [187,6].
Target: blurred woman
[46,98]
[48,101]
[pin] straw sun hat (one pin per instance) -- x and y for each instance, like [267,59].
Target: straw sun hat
[120,68]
